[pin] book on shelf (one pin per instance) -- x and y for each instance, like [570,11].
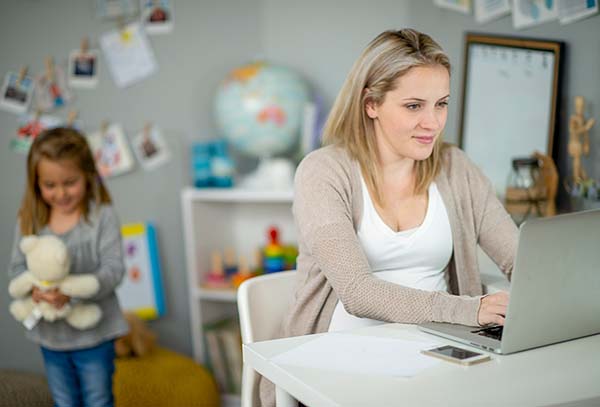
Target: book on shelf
[232,345]
[141,290]
[224,354]
[215,360]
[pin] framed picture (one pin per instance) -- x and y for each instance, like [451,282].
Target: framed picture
[510,98]
[157,16]
[83,69]
[16,93]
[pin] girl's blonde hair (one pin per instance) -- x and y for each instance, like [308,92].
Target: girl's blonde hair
[388,57]
[58,144]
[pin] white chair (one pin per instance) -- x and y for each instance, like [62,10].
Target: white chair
[262,302]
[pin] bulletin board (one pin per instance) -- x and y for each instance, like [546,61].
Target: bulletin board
[510,101]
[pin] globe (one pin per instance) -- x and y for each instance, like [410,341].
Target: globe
[259,108]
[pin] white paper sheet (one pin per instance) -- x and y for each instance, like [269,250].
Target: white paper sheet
[361,354]
[463,6]
[129,55]
[488,10]
[570,11]
[527,13]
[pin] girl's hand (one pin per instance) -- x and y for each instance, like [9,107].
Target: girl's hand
[492,308]
[54,297]
[36,294]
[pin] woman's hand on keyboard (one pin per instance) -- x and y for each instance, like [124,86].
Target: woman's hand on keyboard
[492,308]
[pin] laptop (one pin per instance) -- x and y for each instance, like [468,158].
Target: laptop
[555,288]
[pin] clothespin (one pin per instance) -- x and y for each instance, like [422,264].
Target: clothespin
[124,33]
[104,127]
[147,128]
[49,69]
[71,118]
[83,48]
[22,74]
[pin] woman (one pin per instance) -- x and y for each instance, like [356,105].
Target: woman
[389,217]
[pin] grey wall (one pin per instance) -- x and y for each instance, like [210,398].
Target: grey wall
[210,37]
[320,39]
[331,35]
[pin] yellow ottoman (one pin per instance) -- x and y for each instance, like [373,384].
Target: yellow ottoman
[163,378]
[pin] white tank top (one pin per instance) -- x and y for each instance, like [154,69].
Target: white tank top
[413,258]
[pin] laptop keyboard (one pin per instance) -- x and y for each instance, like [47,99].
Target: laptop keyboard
[494,332]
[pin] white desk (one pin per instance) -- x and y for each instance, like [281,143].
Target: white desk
[566,374]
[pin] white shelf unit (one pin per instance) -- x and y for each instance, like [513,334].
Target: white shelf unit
[215,219]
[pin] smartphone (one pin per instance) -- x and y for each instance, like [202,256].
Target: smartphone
[457,355]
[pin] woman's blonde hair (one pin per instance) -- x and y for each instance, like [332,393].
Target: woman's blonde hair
[389,56]
[58,144]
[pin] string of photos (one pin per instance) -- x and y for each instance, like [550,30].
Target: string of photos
[36,99]
[525,13]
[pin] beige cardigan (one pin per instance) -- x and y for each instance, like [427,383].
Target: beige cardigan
[332,265]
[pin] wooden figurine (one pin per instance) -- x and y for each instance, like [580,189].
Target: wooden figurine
[216,276]
[579,139]
[229,262]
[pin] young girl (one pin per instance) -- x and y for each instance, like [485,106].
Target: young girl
[64,196]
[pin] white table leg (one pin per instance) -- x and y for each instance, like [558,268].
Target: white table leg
[284,399]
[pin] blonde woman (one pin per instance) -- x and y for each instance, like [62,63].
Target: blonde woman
[389,217]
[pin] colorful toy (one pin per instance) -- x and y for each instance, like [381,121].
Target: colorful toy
[290,253]
[258,262]
[273,252]
[216,277]
[243,273]
[212,165]
[277,257]
[229,263]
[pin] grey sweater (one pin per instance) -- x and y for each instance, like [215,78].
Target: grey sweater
[94,247]
[332,266]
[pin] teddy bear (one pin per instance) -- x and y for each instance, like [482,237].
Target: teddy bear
[138,342]
[48,266]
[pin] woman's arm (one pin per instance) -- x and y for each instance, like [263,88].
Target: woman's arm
[497,233]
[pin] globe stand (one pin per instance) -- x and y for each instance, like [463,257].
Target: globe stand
[271,173]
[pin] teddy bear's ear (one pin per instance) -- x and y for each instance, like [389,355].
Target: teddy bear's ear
[28,243]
